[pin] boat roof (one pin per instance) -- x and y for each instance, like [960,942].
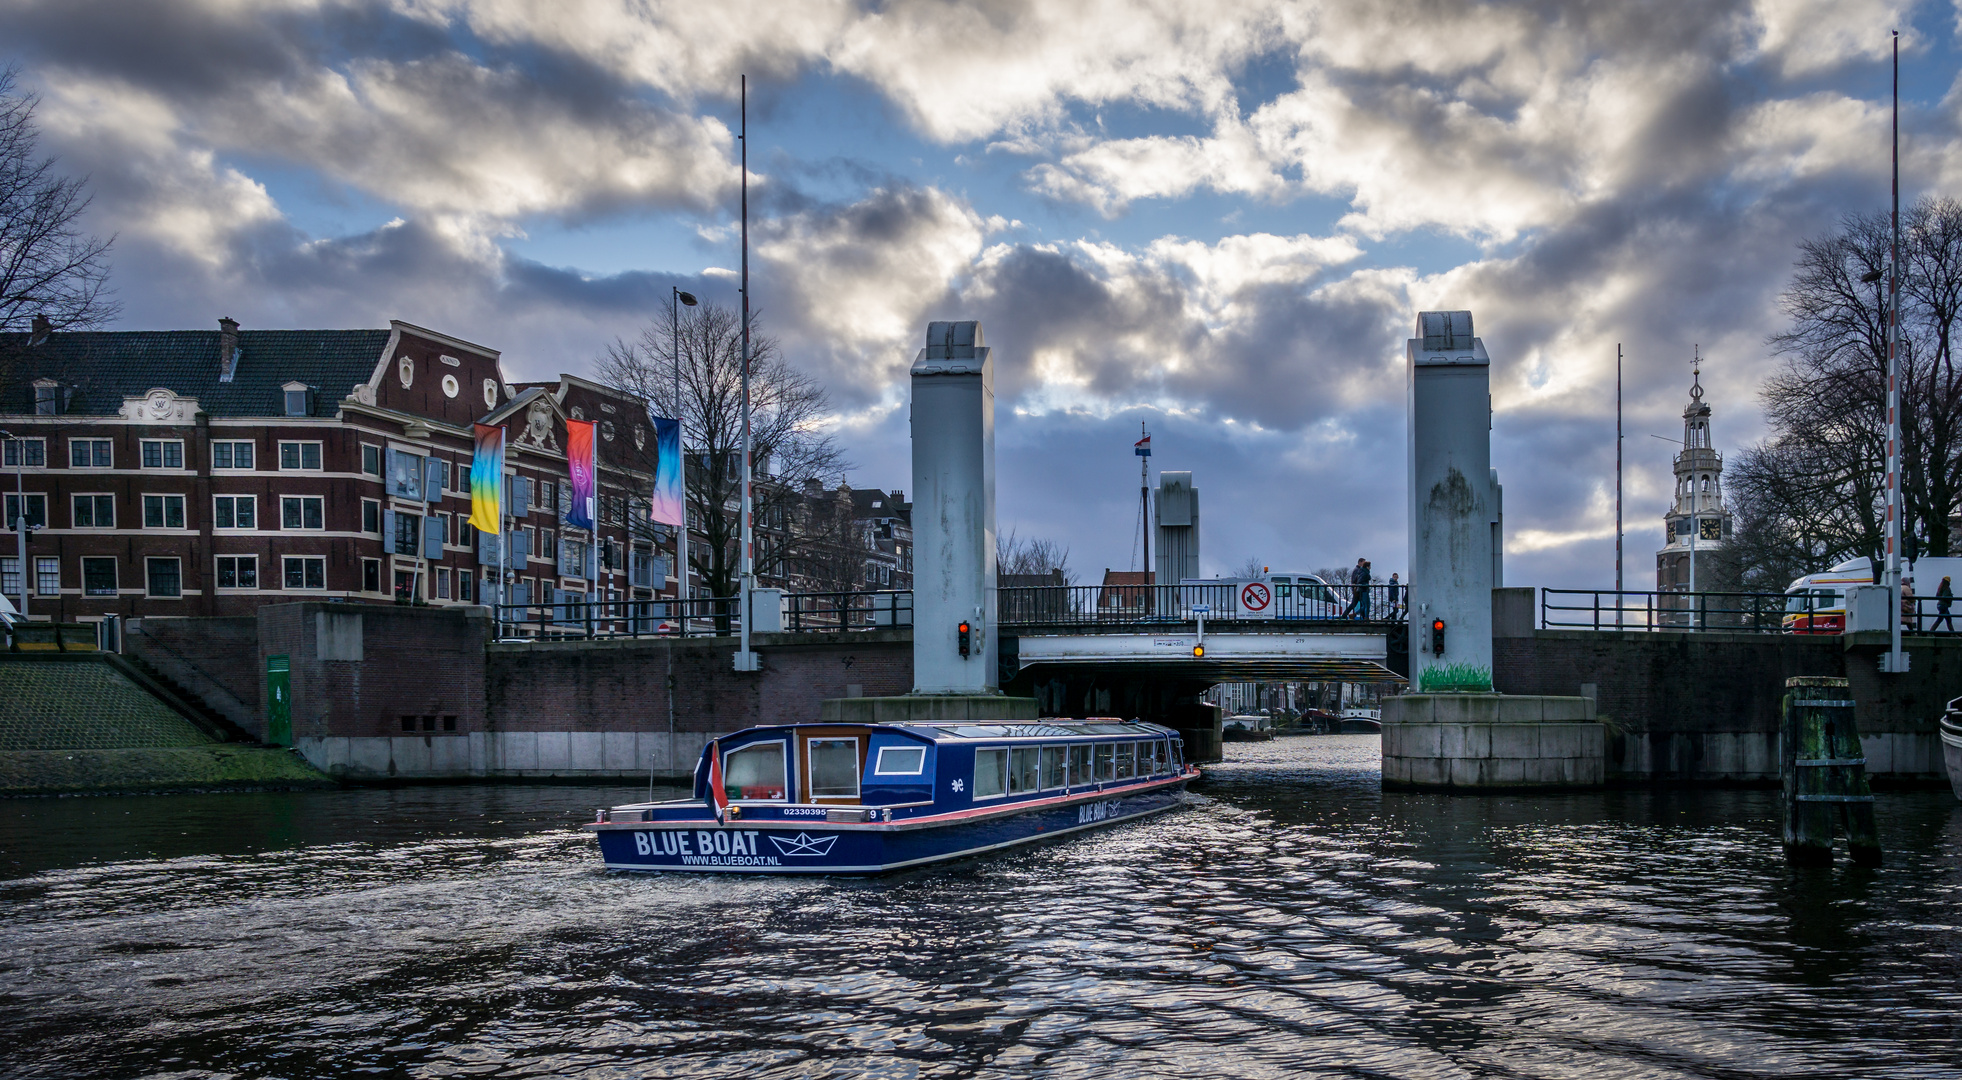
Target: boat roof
[995,731]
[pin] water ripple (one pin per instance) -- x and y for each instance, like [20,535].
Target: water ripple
[1293,921]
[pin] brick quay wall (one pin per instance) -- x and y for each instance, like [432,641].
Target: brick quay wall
[384,693]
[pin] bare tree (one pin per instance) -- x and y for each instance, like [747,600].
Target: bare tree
[1813,492]
[1253,567]
[48,266]
[786,408]
[1041,557]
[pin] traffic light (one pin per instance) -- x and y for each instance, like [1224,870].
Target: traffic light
[1437,637]
[1198,652]
[967,637]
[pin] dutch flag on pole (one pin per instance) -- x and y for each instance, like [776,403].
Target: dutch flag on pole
[1143,447]
[718,798]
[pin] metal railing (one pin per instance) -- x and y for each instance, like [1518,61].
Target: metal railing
[1080,607]
[1733,612]
[1240,602]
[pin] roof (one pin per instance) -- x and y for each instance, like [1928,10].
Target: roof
[889,506]
[105,366]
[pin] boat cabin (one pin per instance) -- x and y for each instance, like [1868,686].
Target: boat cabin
[942,767]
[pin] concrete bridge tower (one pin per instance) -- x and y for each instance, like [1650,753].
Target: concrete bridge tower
[954,513]
[1453,497]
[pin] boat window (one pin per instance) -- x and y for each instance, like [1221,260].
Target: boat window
[1080,765]
[1147,759]
[754,772]
[1052,766]
[990,773]
[901,761]
[834,768]
[1023,773]
[1178,755]
[1126,761]
[1104,751]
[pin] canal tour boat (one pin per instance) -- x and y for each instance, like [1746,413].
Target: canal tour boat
[865,799]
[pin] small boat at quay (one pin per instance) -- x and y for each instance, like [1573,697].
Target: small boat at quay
[1951,736]
[865,799]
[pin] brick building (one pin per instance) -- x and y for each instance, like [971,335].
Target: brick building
[209,472]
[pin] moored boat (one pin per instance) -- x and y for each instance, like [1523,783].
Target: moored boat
[863,799]
[1951,736]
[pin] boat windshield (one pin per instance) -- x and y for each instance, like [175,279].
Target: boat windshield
[754,772]
[834,768]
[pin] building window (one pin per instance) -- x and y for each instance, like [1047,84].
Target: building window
[306,573]
[408,534]
[10,575]
[89,454]
[95,511]
[442,584]
[405,475]
[47,575]
[463,586]
[34,450]
[371,575]
[165,576]
[238,571]
[299,455]
[296,402]
[371,459]
[302,512]
[98,577]
[237,512]
[37,511]
[47,398]
[371,516]
[163,512]
[163,453]
[405,585]
[232,454]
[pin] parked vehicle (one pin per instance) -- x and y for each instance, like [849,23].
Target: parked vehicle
[1816,603]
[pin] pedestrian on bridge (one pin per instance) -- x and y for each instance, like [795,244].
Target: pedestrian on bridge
[1944,596]
[1394,602]
[1358,590]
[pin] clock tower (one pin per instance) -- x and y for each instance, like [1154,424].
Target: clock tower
[1698,525]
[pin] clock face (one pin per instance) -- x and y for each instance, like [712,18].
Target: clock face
[1712,529]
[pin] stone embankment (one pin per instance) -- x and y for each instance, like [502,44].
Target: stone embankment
[85,722]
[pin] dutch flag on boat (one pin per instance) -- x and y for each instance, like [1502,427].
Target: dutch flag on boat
[718,798]
[1142,447]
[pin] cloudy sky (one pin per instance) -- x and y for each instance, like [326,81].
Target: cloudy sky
[1215,220]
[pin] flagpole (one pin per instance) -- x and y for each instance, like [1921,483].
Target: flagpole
[745,658]
[1144,509]
[1618,583]
[1896,661]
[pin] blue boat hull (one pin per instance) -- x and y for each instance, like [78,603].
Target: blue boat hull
[816,847]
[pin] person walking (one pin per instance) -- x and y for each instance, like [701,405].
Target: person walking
[1943,597]
[1358,590]
[1395,599]
[1909,617]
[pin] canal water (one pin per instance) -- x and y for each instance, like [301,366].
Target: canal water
[1294,921]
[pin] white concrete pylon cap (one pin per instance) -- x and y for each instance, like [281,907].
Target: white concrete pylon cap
[1445,338]
[952,348]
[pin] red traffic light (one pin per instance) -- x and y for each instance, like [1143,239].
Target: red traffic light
[1437,637]
[966,646]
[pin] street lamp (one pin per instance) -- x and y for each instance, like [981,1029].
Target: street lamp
[20,517]
[681,535]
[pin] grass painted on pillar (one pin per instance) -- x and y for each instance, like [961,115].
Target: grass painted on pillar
[1455,679]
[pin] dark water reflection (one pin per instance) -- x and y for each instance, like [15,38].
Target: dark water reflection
[1296,922]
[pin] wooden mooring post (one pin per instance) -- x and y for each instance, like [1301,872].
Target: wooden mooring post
[1824,773]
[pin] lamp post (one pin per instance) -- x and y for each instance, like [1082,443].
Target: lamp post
[20,516]
[745,657]
[681,534]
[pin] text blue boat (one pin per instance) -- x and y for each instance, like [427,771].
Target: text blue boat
[863,799]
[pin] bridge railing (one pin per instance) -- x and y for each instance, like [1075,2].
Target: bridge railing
[1037,607]
[1150,606]
[1733,612]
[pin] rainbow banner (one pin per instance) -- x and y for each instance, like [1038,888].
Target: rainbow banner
[487,481]
[667,506]
[579,456]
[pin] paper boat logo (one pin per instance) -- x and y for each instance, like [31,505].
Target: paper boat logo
[804,845]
